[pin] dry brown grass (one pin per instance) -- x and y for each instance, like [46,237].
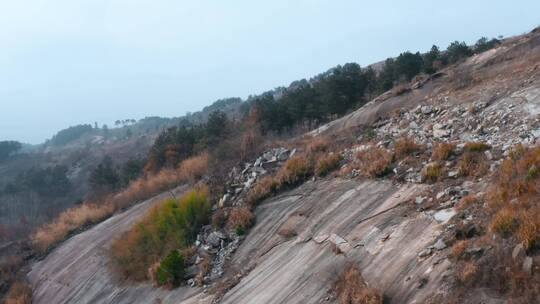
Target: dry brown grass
[327,163]
[406,146]
[476,147]
[529,228]
[317,144]
[467,202]
[89,213]
[443,151]
[67,222]
[193,169]
[263,189]
[432,173]
[351,288]
[513,197]
[240,218]
[504,221]
[295,170]
[375,161]
[458,249]
[19,293]
[467,273]
[472,164]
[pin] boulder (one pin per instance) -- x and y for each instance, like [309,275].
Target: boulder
[425,253]
[439,245]
[518,252]
[528,265]
[439,131]
[214,238]
[426,109]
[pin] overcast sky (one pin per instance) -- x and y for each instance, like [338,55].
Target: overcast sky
[66,62]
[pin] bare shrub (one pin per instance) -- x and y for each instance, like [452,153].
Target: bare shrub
[250,144]
[219,218]
[351,288]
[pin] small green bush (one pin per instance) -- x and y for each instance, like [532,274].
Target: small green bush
[169,226]
[171,269]
[240,231]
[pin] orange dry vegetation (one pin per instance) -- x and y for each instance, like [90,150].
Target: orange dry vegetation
[473,163]
[19,293]
[406,146]
[317,144]
[467,201]
[327,163]
[295,170]
[467,273]
[513,199]
[351,288]
[375,161]
[443,151]
[263,189]
[458,249]
[90,213]
[240,218]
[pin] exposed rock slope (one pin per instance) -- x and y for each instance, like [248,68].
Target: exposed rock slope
[77,270]
[395,230]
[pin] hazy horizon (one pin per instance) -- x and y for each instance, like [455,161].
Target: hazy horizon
[66,63]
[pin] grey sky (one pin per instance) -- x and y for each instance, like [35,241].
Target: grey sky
[65,62]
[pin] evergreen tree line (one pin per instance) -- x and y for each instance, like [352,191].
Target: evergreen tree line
[306,103]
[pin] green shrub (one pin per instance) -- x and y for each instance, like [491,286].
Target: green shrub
[169,226]
[171,269]
[240,231]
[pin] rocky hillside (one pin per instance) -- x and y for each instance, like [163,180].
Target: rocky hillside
[77,150]
[410,205]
